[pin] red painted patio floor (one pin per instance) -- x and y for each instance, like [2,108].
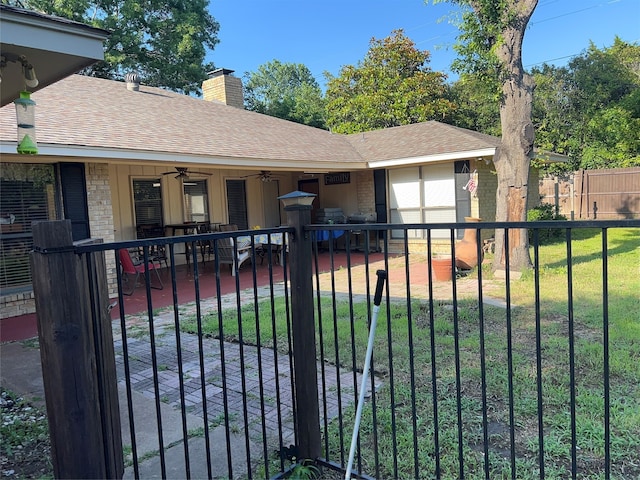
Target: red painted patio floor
[25,326]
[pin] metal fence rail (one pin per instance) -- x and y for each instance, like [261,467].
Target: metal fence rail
[472,377]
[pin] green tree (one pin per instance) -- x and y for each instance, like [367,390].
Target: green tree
[285,90]
[553,114]
[490,46]
[477,106]
[589,110]
[164,42]
[612,140]
[392,86]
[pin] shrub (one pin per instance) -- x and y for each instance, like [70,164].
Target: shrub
[545,211]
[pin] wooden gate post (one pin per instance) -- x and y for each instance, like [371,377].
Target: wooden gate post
[303,327]
[76,350]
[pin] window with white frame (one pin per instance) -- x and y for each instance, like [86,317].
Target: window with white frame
[423,194]
[196,201]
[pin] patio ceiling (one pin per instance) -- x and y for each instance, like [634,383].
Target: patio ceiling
[54,46]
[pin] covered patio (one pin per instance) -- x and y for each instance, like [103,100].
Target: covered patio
[25,326]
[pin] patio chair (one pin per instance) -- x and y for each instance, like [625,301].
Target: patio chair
[129,268]
[227,254]
[157,253]
[205,246]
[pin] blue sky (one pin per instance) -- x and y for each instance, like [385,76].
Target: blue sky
[326,35]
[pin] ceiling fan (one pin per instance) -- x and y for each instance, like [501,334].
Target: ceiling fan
[264,175]
[183,173]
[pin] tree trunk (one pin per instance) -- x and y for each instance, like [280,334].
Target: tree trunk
[513,157]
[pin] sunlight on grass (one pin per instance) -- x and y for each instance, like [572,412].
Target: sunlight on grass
[398,427]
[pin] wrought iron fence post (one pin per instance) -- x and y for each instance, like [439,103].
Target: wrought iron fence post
[76,350]
[298,208]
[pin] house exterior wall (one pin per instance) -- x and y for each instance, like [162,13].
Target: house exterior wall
[483,205]
[100,225]
[366,192]
[101,215]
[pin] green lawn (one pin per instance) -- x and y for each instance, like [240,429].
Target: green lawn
[409,337]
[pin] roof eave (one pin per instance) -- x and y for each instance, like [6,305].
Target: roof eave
[549,157]
[440,157]
[114,155]
[56,48]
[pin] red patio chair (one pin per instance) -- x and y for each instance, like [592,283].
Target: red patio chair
[129,268]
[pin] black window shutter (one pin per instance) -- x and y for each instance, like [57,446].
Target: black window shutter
[380,188]
[74,199]
[237,203]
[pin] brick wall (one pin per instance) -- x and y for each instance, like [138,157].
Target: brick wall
[224,88]
[365,191]
[17,304]
[101,215]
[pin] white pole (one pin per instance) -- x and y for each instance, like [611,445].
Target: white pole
[382,275]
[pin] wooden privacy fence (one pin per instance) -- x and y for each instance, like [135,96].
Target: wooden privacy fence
[605,194]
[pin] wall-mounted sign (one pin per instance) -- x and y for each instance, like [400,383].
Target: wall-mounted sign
[337,178]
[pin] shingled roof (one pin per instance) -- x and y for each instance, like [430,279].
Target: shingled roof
[102,118]
[423,142]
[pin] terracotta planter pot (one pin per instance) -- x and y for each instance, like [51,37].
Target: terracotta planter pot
[442,268]
[466,249]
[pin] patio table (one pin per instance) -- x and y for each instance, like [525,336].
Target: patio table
[188,228]
[262,239]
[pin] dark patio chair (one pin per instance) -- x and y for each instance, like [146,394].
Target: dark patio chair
[157,253]
[129,268]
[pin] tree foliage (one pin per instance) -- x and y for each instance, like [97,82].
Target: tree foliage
[165,42]
[285,90]
[590,109]
[392,86]
[477,105]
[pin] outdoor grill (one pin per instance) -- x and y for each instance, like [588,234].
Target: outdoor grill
[362,218]
[330,215]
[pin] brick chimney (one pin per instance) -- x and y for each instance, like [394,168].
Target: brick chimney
[224,87]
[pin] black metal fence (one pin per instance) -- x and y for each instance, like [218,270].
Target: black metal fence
[512,374]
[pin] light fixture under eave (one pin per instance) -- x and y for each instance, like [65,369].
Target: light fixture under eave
[29,75]
[28,72]
[26,117]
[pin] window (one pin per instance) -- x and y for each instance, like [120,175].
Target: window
[196,201]
[27,194]
[147,198]
[426,194]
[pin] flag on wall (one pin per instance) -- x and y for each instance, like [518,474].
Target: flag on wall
[472,184]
